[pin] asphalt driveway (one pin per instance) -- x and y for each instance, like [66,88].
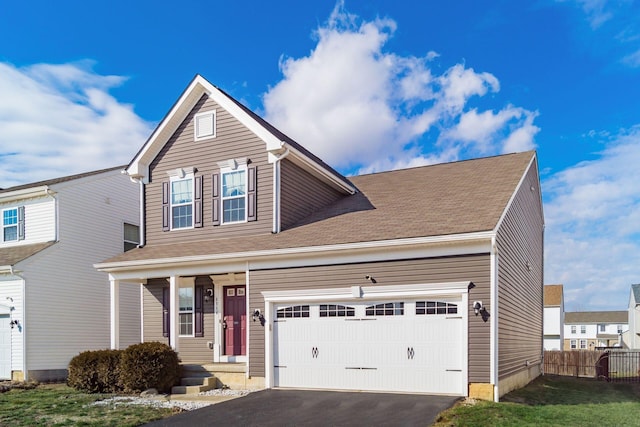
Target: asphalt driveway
[316,408]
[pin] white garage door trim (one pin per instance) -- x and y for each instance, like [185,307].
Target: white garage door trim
[5,347]
[367,293]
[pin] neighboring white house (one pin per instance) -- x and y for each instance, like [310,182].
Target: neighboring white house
[53,304]
[553,317]
[588,330]
[634,317]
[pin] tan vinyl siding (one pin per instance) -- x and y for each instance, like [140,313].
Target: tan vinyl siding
[301,194]
[152,302]
[232,140]
[474,268]
[190,349]
[520,291]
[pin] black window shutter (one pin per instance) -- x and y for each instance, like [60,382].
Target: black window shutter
[165,311]
[197,202]
[215,195]
[251,194]
[165,207]
[21,223]
[199,306]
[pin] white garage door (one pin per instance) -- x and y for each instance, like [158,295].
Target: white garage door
[406,346]
[5,347]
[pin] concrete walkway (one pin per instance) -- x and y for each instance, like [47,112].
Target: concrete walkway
[316,408]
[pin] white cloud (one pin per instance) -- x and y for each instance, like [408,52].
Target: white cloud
[360,107]
[633,59]
[59,119]
[593,224]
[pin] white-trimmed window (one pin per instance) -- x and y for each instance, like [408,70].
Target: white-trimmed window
[583,344]
[10,225]
[205,125]
[573,344]
[181,202]
[583,329]
[602,327]
[619,329]
[234,195]
[131,236]
[573,329]
[186,302]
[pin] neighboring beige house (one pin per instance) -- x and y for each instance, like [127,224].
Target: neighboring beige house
[259,256]
[588,330]
[634,317]
[553,317]
[53,303]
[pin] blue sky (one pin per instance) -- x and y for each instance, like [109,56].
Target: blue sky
[367,85]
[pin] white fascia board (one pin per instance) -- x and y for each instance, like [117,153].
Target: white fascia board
[139,167]
[423,247]
[515,193]
[367,292]
[320,171]
[26,193]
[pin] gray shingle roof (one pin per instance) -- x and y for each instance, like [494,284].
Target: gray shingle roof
[58,180]
[14,254]
[553,295]
[583,317]
[451,198]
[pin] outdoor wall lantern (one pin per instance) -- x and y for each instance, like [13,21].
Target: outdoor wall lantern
[370,278]
[208,294]
[478,308]
[14,323]
[258,316]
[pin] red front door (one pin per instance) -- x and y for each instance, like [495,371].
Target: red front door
[235,313]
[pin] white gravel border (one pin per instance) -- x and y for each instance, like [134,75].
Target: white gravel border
[162,401]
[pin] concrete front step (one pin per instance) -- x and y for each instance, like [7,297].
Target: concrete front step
[226,375]
[191,389]
[199,381]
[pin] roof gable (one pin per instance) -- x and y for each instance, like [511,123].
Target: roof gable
[277,144]
[635,293]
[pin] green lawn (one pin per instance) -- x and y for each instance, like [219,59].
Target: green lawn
[59,405]
[553,401]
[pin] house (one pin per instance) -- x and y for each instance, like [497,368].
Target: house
[259,254]
[634,317]
[553,317]
[588,330]
[53,303]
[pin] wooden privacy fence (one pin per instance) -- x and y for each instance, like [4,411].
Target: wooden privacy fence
[575,363]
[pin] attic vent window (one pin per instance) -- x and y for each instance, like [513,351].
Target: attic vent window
[205,125]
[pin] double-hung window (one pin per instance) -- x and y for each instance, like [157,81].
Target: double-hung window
[10,225]
[602,327]
[182,202]
[573,329]
[131,236]
[234,195]
[583,329]
[186,302]
[573,344]
[583,344]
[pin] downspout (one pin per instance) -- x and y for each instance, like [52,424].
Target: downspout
[493,319]
[276,190]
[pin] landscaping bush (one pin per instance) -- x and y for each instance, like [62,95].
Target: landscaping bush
[149,365]
[95,371]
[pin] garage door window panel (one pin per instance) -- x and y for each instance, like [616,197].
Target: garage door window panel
[293,312]
[386,309]
[435,307]
[336,310]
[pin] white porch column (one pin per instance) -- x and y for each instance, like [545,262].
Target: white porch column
[173,311]
[115,313]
